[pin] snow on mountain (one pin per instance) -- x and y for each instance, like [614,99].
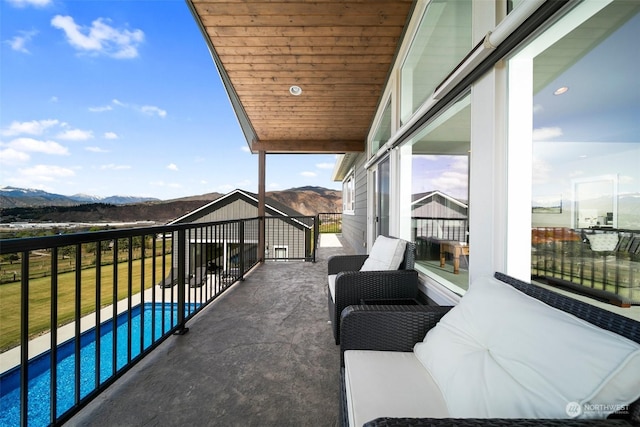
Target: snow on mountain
[24,197]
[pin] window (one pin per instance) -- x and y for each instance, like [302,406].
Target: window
[280,252]
[383,132]
[348,194]
[435,193]
[574,106]
[442,41]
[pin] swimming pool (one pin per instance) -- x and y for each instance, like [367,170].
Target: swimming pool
[39,400]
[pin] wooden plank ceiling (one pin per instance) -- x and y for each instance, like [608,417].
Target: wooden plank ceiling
[338,52]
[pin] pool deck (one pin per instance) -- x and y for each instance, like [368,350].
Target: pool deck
[260,355]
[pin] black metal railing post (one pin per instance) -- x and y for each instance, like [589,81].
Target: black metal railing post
[182,241]
[242,248]
[316,237]
[24,339]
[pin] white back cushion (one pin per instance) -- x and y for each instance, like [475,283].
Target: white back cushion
[500,353]
[386,253]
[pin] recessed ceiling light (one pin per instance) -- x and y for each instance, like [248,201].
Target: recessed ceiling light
[295,90]
[561,90]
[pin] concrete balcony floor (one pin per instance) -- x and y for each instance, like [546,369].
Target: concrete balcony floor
[261,355]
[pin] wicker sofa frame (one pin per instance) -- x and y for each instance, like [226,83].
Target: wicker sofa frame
[352,286]
[398,328]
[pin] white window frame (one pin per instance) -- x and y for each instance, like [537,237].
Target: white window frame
[349,193]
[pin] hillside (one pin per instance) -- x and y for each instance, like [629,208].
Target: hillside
[306,200]
[309,200]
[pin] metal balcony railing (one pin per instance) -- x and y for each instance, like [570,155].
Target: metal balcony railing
[98,302]
[604,261]
[428,233]
[330,222]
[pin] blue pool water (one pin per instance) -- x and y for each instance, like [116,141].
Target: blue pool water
[39,367]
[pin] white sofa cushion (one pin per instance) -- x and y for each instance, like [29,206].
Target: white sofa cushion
[500,353]
[332,286]
[389,384]
[386,253]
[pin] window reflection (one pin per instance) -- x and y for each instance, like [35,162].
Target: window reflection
[437,206]
[585,106]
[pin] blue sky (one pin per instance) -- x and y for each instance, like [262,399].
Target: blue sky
[122,98]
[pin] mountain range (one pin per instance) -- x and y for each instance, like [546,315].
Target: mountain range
[12,197]
[18,205]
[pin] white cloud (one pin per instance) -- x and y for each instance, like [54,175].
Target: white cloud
[537,108]
[100,109]
[113,167]
[11,156]
[274,186]
[25,3]
[37,146]
[541,171]
[544,134]
[325,165]
[18,43]
[149,110]
[100,38]
[172,167]
[34,127]
[245,148]
[460,163]
[46,173]
[75,135]
[96,150]
[110,135]
[54,99]
[308,174]
[152,111]
[452,183]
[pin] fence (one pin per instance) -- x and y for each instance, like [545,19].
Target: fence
[604,262]
[330,222]
[291,238]
[429,232]
[132,302]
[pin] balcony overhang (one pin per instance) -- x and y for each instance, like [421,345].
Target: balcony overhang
[338,53]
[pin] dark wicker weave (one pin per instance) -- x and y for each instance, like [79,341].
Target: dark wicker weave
[353,285]
[398,328]
[473,422]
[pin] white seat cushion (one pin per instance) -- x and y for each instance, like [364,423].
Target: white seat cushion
[386,253]
[503,354]
[389,384]
[332,286]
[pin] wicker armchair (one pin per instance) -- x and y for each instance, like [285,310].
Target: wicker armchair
[352,286]
[398,328]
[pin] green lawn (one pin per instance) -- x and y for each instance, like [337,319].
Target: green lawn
[40,297]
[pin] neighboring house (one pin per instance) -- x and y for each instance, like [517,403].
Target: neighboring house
[437,215]
[287,236]
[436,204]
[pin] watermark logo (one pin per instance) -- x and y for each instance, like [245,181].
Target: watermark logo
[574,409]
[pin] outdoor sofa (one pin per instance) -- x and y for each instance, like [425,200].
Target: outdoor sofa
[385,274]
[510,353]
